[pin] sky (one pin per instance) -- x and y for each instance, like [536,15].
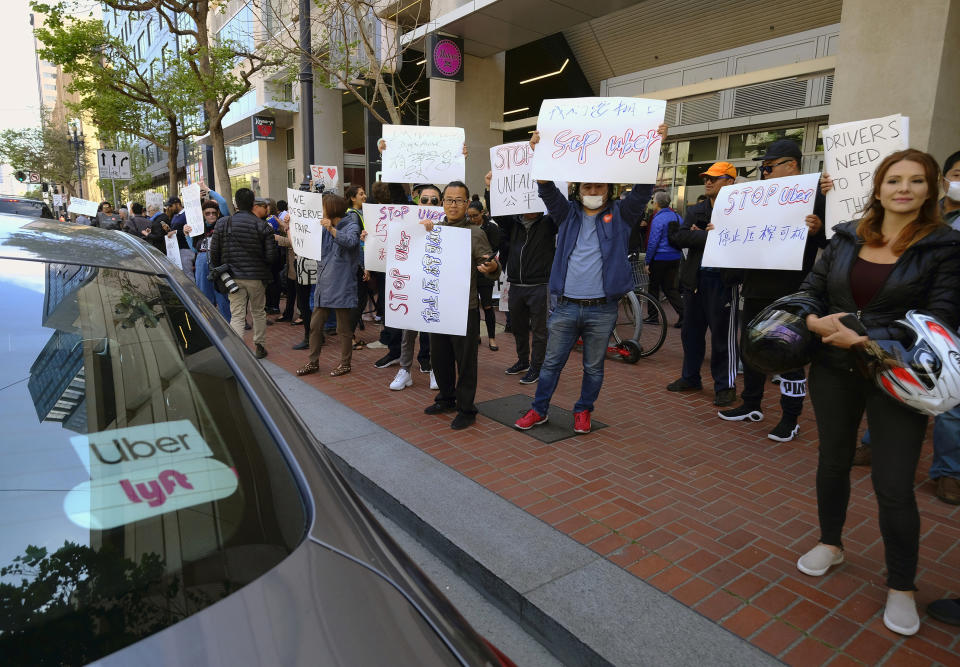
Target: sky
[19,105]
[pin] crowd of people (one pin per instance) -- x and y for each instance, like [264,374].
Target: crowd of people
[567,270]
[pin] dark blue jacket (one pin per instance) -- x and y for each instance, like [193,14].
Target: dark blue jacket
[613,222]
[658,244]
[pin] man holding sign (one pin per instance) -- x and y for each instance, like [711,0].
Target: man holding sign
[590,273]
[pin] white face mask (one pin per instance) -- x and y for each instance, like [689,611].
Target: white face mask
[593,201]
[953,192]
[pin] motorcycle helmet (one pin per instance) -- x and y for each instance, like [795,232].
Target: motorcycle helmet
[777,339]
[919,366]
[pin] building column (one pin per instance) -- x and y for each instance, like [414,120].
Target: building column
[894,61]
[328,128]
[273,166]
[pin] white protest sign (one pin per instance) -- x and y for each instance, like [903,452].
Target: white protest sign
[513,191]
[193,208]
[173,250]
[153,199]
[851,153]
[761,224]
[428,278]
[328,176]
[306,232]
[423,154]
[82,206]
[376,218]
[599,140]
[57,200]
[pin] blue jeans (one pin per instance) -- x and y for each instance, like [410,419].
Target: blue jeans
[201,269]
[567,323]
[946,445]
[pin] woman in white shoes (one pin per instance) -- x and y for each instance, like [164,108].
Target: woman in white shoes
[899,256]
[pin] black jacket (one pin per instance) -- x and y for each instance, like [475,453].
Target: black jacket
[157,235]
[692,234]
[527,252]
[926,277]
[245,243]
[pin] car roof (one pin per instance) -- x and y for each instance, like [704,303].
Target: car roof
[42,239]
[19,198]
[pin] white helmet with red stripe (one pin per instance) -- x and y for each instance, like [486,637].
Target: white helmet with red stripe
[923,372]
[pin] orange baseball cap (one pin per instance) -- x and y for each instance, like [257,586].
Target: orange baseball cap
[720,169]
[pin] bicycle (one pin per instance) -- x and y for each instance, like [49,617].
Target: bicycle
[634,338]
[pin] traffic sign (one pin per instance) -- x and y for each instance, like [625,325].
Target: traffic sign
[113,164]
[34,177]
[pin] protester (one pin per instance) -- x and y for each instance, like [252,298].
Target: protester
[590,274]
[138,225]
[662,259]
[710,298]
[290,276]
[160,227]
[527,247]
[105,218]
[485,285]
[246,245]
[178,223]
[336,282]
[454,358]
[356,196]
[899,256]
[211,213]
[390,337]
[760,288]
[265,209]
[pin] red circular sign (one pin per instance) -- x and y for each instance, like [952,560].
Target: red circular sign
[447,57]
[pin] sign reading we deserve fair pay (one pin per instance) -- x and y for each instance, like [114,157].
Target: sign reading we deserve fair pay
[306,231]
[761,224]
[599,140]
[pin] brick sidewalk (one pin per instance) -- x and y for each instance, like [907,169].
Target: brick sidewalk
[710,512]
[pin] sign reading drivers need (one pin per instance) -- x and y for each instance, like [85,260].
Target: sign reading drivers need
[144,471]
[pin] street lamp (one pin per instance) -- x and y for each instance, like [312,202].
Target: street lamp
[306,92]
[77,143]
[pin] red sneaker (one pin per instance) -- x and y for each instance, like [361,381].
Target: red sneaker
[529,420]
[581,421]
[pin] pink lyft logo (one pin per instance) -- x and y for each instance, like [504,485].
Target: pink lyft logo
[153,492]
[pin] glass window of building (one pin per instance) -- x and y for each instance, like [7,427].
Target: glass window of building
[239,29]
[241,155]
[291,145]
[753,144]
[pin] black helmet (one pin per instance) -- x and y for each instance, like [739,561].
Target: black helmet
[777,339]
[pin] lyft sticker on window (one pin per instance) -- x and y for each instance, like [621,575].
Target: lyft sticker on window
[144,471]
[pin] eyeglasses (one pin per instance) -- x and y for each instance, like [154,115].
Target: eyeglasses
[211,212]
[431,201]
[711,179]
[454,202]
[766,169]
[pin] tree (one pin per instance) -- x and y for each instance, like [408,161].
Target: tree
[45,150]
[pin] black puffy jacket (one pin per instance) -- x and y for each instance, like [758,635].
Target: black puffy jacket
[246,244]
[925,277]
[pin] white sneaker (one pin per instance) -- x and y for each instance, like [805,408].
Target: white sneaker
[900,614]
[402,381]
[433,381]
[818,560]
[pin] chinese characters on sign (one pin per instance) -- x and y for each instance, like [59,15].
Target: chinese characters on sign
[423,154]
[513,190]
[377,218]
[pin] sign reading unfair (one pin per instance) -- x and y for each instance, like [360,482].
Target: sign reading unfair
[761,224]
[428,278]
[851,153]
[513,190]
[599,140]
[306,232]
[423,154]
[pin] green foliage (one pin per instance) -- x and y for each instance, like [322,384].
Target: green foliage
[45,150]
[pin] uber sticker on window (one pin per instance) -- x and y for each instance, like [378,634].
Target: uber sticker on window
[144,471]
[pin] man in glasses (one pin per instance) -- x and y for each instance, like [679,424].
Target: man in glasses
[454,358]
[762,287]
[709,297]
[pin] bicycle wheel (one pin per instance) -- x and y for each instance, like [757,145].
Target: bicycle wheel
[650,334]
[628,323]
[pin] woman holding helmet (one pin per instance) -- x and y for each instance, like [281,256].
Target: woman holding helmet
[899,256]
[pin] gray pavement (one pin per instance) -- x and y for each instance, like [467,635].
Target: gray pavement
[583,609]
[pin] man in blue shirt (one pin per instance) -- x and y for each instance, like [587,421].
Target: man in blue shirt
[589,275]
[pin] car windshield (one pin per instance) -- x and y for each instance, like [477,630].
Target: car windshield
[36,209]
[138,485]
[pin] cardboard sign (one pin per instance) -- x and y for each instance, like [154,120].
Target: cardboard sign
[423,154]
[599,140]
[57,200]
[153,199]
[761,224]
[173,250]
[192,206]
[306,231]
[851,153]
[428,278]
[328,176]
[513,190]
[82,206]
[377,218]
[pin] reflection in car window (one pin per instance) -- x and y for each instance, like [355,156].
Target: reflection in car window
[29,207]
[138,484]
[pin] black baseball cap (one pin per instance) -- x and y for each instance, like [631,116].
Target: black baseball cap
[262,201]
[782,148]
[171,201]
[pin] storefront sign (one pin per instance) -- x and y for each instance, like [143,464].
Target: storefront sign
[306,231]
[513,190]
[423,154]
[264,128]
[445,58]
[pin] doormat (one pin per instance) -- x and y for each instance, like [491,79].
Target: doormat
[509,409]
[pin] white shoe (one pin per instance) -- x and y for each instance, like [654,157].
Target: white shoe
[402,381]
[433,381]
[900,613]
[818,560]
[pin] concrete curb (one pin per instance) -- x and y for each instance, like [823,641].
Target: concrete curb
[582,608]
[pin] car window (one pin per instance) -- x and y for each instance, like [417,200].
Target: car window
[138,483]
[24,207]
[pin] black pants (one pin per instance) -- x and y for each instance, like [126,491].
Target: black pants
[528,309]
[392,338]
[664,275]
[485,292]
[303,305]
[361,303]
[794,385]
[454,361]
[840,398]
[290,289]
[712,306]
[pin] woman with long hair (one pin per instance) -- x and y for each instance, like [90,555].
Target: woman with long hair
[356,196]
[899,256]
